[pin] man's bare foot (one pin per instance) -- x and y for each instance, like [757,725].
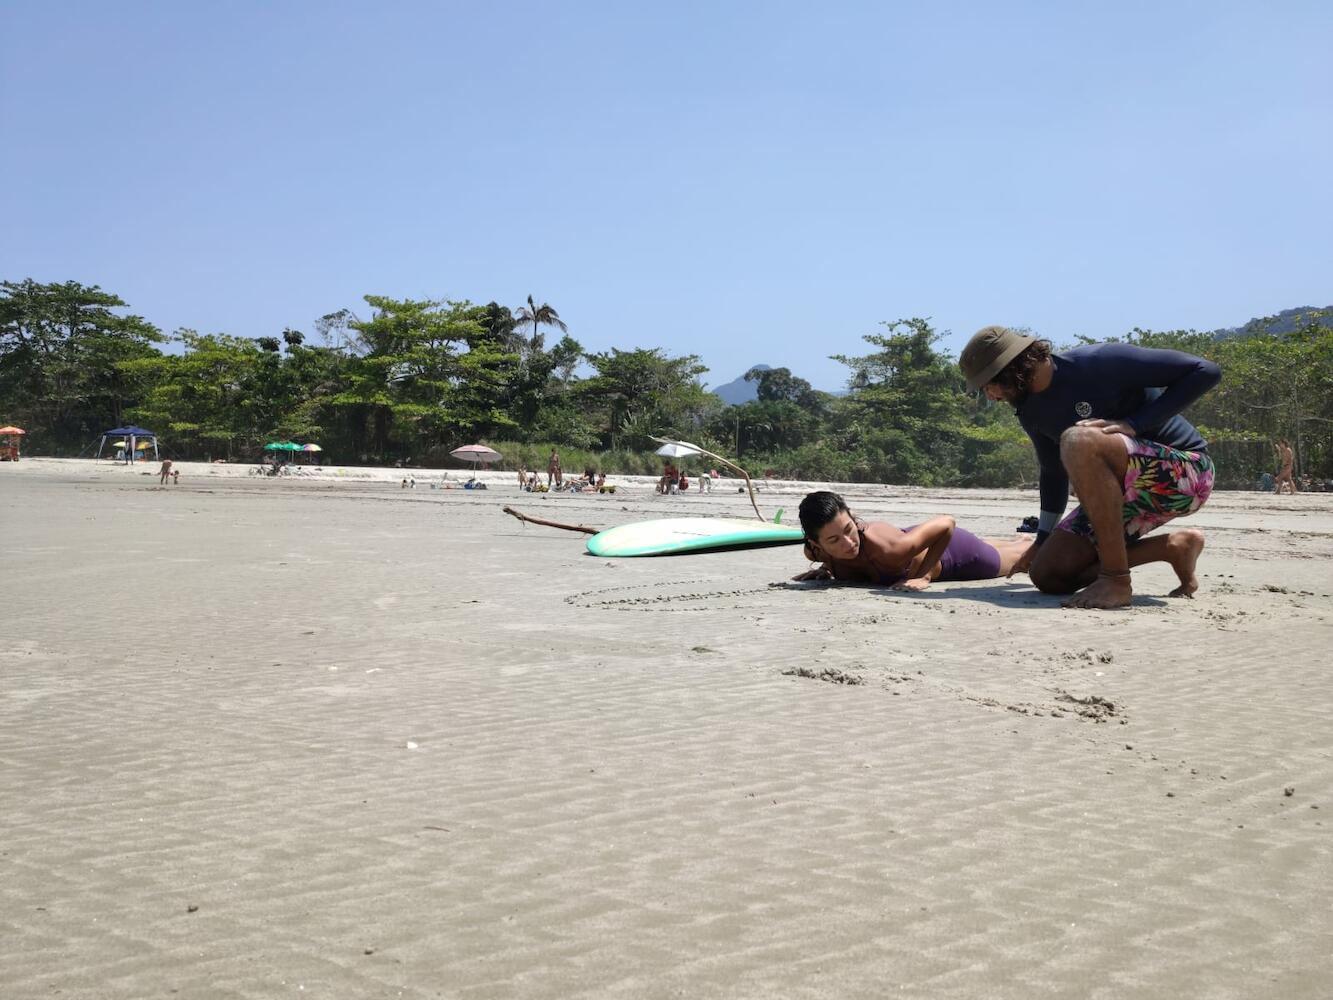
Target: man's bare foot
[1104,592]
[1183,548]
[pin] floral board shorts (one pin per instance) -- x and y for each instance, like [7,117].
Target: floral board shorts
[1161,483]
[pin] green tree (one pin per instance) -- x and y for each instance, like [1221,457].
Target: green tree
[644,392]
[780,385]
[60,345]
[904,417]
[218,397]
[538,316]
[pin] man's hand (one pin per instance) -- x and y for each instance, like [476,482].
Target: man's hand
[1109,427]
[1024,561]
[917,583]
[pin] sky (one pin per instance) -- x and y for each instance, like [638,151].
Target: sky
[748,182]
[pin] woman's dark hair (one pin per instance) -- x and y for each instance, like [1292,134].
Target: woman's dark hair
[817,510]
[1017,374]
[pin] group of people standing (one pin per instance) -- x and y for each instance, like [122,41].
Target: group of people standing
[1104,419]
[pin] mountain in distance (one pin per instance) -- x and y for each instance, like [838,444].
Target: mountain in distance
[739,391]
[1287,321]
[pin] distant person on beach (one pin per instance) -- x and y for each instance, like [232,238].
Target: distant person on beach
[553,473]
[164,473]
[670,477]
[860,551]
[1286,465]
[175,477]
[1106,418]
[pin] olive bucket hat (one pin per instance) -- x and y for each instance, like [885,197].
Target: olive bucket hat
[989,351]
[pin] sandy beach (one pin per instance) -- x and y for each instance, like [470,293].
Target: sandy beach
[321,736]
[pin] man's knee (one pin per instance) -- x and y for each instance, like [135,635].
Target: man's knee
[1082,441]
[1061,562]
[1049,580]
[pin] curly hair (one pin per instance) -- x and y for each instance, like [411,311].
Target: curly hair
[1017,374]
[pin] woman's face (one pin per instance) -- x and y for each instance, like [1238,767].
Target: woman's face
[839,538]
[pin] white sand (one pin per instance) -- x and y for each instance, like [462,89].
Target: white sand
[394,743]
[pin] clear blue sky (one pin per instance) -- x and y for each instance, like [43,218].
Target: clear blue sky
[750,182]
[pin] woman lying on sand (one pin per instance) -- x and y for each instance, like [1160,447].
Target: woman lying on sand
[875,552]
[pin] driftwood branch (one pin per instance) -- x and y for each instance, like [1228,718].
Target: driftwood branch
[727,462]
[551,524]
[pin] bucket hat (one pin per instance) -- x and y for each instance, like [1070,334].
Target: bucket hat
[989,351]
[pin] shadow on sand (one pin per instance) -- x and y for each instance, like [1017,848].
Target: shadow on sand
[1002,594]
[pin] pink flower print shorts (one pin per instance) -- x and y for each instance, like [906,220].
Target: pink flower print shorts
[1161,483]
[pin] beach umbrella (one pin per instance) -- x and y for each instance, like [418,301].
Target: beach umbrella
[678,449]
[11,450]
[475,453]
[311,447]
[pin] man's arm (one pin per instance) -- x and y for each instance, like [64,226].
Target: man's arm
[1054,489]
[1182,377]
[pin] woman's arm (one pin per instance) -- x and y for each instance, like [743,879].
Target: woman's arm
[931,539]
[832,569]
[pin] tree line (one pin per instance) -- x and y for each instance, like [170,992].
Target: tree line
[409,380]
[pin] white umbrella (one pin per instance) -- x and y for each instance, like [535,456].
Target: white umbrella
[678,449]
[475,453]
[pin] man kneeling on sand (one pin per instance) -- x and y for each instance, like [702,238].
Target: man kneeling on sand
[1106,417]
[874,552]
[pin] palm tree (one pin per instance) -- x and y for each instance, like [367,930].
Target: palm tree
[538,315]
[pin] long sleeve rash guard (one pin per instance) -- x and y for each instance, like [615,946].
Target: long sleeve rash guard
[1143,387]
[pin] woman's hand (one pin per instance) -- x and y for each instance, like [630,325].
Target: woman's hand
[916,583]
[818,573]
[1023,562]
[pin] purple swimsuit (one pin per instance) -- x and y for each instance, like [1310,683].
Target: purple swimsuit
[967,558]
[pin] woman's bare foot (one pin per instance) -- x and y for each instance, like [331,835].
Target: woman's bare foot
[1183,548]
[1107,591]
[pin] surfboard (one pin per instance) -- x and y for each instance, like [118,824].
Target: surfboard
[680,535]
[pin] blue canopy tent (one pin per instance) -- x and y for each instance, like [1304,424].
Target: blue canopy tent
[131,435]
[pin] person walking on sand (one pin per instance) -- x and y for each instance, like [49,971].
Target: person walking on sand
[860,551]
[164,473]
[1286,465]
[1105,417]
[553,473]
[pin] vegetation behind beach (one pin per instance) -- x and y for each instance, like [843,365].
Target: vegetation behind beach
[412,380]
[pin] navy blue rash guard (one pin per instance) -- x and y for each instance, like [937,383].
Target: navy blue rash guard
[1143,387]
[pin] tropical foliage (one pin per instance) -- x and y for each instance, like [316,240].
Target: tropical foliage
[412,379]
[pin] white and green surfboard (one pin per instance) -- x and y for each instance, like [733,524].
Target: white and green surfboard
[681,535]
